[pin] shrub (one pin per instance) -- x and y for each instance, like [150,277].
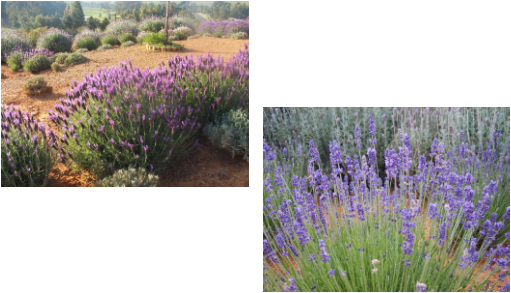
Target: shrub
[230,131]
[14,60]
[28,150]
[155,116]
[106,47]
[340,233]
[154,38]
[178,21]
[87,38]
[56,67]
[182,32]
[82,50]
[127,37]
[193,37]
[87,43]
[141,36]
[240,35]
[36,85]
[120,27]
[207,35]
[127,44]
[129,178]
[55,40]
[218,29]
[61,57]
[34,34]
[3,75]
[11,41]
[74,59]
[235,27]
[109,40]
[152,24]
[36,63]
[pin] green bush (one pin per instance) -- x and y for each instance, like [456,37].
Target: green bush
[129,178]
[88,43]
[55,40]
[152,24]
[106,47]
[230,132]
[239,36]
[34,34]
[61,57]
[36,85]
[56,67]
[127,44]
[154,38]
[12,40]
[109,40]
[74,59]
[37,63]
[127,37]
[82,50]
[14,61]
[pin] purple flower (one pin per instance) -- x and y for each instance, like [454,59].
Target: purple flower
[331,273]
[433,211]
[335,153]
[358,142]
[421,287]
[325,257]
[146,148]
[101,128]
[314,154]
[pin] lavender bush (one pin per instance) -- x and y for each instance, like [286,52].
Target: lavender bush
[230,131]
[55,40]
[126,117]
[223,28]
[151,24]
[11,41]
[356,232]
[87,38]
[29,149]
[17,57]
[117,28]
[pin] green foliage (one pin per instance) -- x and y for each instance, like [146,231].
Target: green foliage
[48,21]
[152,24]
[56,67]
[56,41]
[154,39]
[61,57]
[239,36]
[103,24]
[106,47]
[92,23]
[12,40]
[230,132]
[73,16]
[74,59]
[109,40]
[129,178]
[33,35]
[81,50]
[127,44]
[37,63]
[14,61]
[88,43]
[127,37]
[36,85]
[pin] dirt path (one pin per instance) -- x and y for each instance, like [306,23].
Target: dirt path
[208,167]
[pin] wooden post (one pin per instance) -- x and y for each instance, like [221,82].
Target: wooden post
[166,24]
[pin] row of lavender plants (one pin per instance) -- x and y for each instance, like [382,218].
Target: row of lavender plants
[442,226]
[293,128]
[224,28]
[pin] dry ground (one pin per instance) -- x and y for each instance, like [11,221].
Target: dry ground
[140,57]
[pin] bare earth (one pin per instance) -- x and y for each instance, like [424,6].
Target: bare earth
[140,57]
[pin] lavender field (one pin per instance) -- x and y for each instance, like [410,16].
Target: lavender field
[386,199]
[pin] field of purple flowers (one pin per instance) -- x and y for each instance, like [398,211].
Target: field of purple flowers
[436,219]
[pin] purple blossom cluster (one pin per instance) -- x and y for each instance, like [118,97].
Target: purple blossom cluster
[29,148]
[223,28]
[29,53]
[125,115]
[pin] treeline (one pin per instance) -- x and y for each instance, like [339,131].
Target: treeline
[221,10]
[23,14]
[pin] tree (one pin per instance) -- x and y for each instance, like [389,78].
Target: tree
[104,23]
[92,23]
[220,10]
[166,39]
[239,11]
[77,13]
[67,19]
